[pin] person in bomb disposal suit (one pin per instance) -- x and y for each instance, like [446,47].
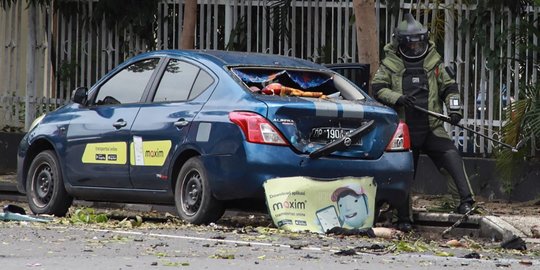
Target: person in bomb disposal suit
[413,74]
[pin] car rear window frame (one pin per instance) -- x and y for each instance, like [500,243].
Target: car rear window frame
[347,89]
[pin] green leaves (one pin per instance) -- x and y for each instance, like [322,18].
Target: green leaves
[523,123]
[138,17]
[279,17]
[407,246]
[7,3]
[223,254]
[88,215]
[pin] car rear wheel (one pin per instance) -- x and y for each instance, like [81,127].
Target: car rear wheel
[193,196]
[45,186]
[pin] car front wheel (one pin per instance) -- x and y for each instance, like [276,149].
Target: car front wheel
[193,196]
[45,186]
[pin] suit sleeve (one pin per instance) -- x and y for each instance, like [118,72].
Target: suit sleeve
[449,91]
[382,87]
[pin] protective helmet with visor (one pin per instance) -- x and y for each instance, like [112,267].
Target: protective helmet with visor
[412,38]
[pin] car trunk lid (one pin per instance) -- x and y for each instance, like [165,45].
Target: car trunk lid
[310,124]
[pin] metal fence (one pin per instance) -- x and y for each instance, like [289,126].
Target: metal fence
[73,51]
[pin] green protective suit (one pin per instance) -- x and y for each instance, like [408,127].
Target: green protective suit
[427,80]
[388,85]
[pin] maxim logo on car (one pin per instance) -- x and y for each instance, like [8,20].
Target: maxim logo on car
[154,153]
[289,205]
[149,153]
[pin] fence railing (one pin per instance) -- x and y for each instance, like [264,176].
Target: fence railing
[72,50]
[12,109]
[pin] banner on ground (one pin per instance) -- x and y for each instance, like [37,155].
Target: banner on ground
[305,204]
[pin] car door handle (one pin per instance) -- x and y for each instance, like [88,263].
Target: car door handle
[181,123]
[120,124]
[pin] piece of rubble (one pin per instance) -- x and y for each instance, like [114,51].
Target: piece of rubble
[514,243]
[17,213]
[456,243]
[387,233]
[535,231]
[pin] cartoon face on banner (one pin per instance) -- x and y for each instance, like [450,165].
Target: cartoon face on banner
[352,203]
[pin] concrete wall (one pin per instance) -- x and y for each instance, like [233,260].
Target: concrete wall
[8,151]
[483,177]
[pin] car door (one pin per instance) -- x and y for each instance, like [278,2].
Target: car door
[98,136]
[163,123]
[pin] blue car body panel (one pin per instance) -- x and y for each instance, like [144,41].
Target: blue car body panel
[236,168]
[291,117]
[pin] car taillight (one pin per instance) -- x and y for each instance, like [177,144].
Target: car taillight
[256,128]
[401,140]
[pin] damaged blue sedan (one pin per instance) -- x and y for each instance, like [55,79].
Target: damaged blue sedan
[199,129]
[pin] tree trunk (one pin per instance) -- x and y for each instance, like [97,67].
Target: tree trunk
[366,33]
[187,40]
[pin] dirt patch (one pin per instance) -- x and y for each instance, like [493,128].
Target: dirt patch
[432,203]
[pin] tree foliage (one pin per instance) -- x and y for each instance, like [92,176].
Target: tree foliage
[522,128]
[139,17]
[522,116]
[7,3]
[279,18]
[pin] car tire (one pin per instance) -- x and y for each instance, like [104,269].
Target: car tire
[193,195]
[45,188]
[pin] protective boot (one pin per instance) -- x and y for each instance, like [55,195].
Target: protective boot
[404,216]
[464,208]
[453,164]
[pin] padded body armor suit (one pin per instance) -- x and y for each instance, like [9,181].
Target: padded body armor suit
[426,80]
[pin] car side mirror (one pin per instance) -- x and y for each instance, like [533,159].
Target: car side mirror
[79,95]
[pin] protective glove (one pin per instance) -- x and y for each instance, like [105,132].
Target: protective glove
[455,118]
[406,101]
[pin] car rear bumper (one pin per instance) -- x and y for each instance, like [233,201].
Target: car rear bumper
[241,176]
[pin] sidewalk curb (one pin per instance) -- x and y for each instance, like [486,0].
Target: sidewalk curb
[499,229]
[490,227]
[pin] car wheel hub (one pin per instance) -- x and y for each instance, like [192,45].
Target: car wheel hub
[44,184]
[192,193]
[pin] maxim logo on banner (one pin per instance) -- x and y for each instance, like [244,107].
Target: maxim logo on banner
[289,205]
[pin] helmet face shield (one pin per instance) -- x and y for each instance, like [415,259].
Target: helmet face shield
[413,46]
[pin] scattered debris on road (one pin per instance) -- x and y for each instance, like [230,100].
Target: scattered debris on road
[17,213]
[535,231]
[514,243]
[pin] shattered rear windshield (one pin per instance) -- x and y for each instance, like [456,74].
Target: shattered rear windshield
[286,82]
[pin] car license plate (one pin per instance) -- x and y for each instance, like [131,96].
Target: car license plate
[328,134]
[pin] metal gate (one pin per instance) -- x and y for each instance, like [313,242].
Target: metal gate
[71,50]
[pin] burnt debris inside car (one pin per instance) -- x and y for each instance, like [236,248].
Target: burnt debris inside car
[300,83]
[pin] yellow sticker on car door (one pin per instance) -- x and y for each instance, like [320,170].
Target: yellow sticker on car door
[105,153]
[154,153]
